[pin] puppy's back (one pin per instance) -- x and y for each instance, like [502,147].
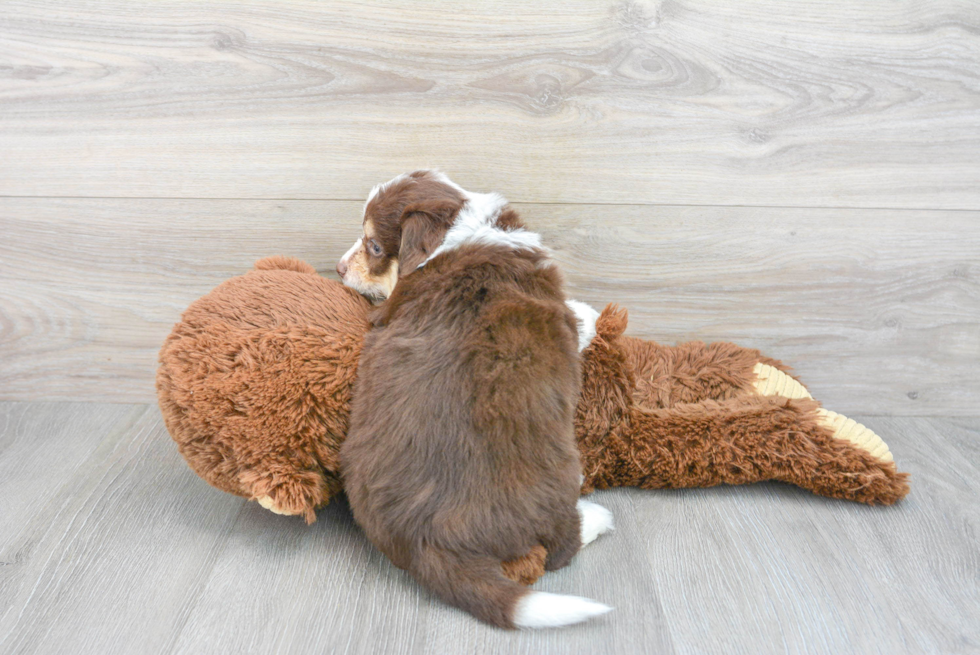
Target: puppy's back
[460,452]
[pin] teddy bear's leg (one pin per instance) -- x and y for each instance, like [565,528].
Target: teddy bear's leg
[693,372]
[773,382]
[282,488]
[748,439]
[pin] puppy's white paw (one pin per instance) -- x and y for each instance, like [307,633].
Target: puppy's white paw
[596,520]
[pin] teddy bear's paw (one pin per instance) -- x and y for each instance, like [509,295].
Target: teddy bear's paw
[268,503]
[595,520]
[770,381]
[284,490]
[857,434]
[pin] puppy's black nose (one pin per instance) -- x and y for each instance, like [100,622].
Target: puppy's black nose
[341,268]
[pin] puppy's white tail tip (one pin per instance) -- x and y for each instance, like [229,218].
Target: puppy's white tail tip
[540,609]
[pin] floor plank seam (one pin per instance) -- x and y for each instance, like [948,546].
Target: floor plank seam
[217,548]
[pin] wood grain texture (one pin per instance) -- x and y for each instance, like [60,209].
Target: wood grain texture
[774,565]
[42,447]
[152,149]
[815,103]
[878,313]
[327,588]
[90,290]
[133,553]
[112,561]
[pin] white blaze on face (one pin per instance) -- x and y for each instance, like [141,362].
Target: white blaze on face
[356,262]
[357,274]
[350,253]
[358,277]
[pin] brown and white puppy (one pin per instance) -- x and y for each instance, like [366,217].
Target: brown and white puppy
[372,265]
[461,451]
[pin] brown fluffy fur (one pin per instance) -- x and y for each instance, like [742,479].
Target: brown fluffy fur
[256,379]
[461,449]
[686,416]
[255,384]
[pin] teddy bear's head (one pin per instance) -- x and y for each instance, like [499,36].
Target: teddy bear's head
[255,381]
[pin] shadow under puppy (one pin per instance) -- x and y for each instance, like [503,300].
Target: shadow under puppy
[461,451]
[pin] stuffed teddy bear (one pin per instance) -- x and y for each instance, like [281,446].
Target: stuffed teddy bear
[255,384]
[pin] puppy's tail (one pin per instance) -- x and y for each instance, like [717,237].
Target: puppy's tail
[477,585]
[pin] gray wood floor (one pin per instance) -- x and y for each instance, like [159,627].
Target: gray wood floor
[110,544]
[802,177]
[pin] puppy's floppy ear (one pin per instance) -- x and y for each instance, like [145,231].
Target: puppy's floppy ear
[424,224]
[419,238]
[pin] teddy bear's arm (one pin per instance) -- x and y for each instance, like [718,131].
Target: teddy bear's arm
[695,371]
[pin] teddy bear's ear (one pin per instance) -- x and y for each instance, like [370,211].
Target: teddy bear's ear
[611,322]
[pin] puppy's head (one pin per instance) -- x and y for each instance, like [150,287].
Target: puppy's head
[405,219]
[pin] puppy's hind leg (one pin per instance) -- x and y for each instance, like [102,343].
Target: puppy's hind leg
[564,540]
[595,520]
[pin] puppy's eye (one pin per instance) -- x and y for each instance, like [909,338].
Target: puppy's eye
[374,248]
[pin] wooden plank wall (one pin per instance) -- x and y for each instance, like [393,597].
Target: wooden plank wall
[799,177]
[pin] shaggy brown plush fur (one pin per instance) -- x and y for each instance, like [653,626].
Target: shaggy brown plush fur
[687,416]
[255,385]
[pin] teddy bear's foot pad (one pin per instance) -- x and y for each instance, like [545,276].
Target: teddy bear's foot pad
[269,504]
[857,434]
[773,382]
